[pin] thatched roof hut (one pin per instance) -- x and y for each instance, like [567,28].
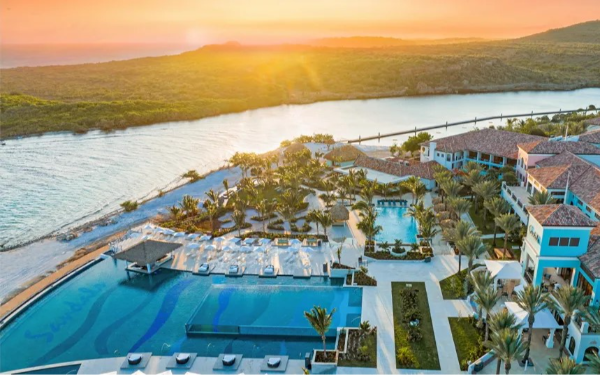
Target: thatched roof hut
[339,213]
[436,200]
[439,207]
[295,148]
[344,153]
[147,252]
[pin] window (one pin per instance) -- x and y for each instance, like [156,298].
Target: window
[564,241]
[553,241]
[574,242]
[448,157]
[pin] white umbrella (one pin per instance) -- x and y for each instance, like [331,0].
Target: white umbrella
[259,249]
[295,241]
[265,241]
[249,241]
[219,239]
[193,236]
[193,246]
[210,247]
[168,232]
[146,237]
[148,227]
[228,248]
[307,249]
[204,238]
[245,249]
[234,240]
[179,234]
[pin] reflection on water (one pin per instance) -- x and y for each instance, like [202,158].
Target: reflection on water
[56,180]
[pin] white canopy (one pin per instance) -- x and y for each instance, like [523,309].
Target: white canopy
[179,234]
[204,238]
[543,319]
[504,269]
[219,239]
[193,245]
[193,236]
[168,232]
[210,247]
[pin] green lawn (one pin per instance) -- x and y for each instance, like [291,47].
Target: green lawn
[468,340]
[371,343]
[452,286]
[423,352]
[477,217]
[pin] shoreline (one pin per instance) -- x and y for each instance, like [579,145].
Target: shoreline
[498,90]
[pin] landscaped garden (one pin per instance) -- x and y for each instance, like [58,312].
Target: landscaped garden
[468,340]
[362,347]
[413,330]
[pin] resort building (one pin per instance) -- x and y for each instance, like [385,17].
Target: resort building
[387,171]
[562,247]
[488,147]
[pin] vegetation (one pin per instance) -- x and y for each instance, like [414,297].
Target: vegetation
[564,366]
[412,144]
[532,300]
[468,340]
[320,320]
[220,79]
[508,345]
[129,206]
[568,300]
[362,347]
[453,286]
[415,344]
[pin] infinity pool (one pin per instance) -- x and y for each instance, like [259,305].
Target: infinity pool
[103,312]
[396,226]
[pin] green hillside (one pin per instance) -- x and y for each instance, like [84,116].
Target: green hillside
[230,78]
[587,32]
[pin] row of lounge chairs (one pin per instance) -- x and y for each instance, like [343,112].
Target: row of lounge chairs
[235,270]
[392,202]
[287,242]
[225,362]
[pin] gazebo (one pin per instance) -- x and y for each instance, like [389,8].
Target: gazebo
[505,270]
[147,256]
[339,214]
[543,320]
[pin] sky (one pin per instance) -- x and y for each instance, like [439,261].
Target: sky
[199,22]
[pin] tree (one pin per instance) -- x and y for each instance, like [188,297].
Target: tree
[486,299]
[481,281]
[313,217]
[503,319]
[508,346]
[451,188]
[414,141]
[261,207]
[369,227]
[567,300]
[472,248]
[565,366]
[320,320]
[462,230]
[189,205]
[239,218]
[594,362]
[509,224]
[213,196]
[226,187]
[459,206]
[175,212]
[541,197]
[325,220]
[485,190]
[532,300]
[496,206]
[415,186]
[211,211]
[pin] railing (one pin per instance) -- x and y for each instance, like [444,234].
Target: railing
[500,117]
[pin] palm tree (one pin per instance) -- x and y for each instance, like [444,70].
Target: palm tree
[415,186]
[386,189]
[261,207]
[496,206]
[462,230]
[486,299]
[239,218]
[368,191]
[485,190]
[481,281]
[594,362]
[565,366]
[509,223]
[325,220]
[213,196]
[313,217]
[226,186]
[189,205]
[459,206]
[503,319]
[451,188]
[369,227]
[568,300]
[175,212]
[472,178]
[320,320]
[211,210]
[472,248]
[532,299]
[508,346]
[542,197]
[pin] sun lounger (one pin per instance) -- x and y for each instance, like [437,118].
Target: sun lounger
[228,362]
[269,271]
[181,361]
[204,269]
[235,270]
[274,363]
[136,361]
[282,242]
[311,242]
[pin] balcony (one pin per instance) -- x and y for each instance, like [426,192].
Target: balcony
[518,198]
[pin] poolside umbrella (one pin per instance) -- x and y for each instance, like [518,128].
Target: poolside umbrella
[204,237]
[146,237]
[210,247]
[193,246]
[193,236]
[295,241]
[265,241]
[260,249]
[158,230]
[249,241]
[245,249]
[148,227]
[179,234]
[219,239]
[235,240]
[169,232]
[228,248]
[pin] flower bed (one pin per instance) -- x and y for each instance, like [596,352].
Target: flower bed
[263,218]
[385,255]
[361,350]
[362,279]
[272,236]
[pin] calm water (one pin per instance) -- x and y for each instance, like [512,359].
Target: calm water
[57,180]
[396,226]
[103,313]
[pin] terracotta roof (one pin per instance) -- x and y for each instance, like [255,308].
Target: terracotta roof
[560,215]
[587,187]
[147,252]
[423,170]
[590,261]
[557,177]
[592,121]
[590,137]
[488,141]
[556,147]
[564,158]
[344,153]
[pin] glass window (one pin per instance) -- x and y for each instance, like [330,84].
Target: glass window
[564,241]
[574,242]
[553,241]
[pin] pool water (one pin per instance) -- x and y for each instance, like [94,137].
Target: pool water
[396,226]
[104,312]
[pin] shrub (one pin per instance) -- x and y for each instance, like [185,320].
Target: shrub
[405,357]
[414,334]
[192,175]
[412,314]
[129,206]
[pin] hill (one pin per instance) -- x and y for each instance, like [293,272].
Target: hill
[379,42]
[587,32]
[231,78]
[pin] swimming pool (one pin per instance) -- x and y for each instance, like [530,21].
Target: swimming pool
[103,312]
[396,226]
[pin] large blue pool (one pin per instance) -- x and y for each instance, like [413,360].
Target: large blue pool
[103,312]
[396,226]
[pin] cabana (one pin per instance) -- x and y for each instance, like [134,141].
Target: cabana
[543,320]
[505,270]
[147,256]
[339,214]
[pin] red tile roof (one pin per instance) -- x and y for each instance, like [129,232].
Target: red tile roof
[488,141]
[556,147]
[591,137]
[560,215]
[423,170]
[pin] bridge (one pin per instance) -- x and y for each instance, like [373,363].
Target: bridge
[474,121]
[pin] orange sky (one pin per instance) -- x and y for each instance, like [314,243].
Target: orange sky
[197,22]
